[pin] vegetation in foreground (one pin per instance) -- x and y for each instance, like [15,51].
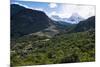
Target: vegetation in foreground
[65,48]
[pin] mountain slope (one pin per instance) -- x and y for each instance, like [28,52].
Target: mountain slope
[85,25]
[16,8]
[25,21]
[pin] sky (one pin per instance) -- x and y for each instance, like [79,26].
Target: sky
[62,10]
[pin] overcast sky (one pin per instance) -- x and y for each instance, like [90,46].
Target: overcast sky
[62,10]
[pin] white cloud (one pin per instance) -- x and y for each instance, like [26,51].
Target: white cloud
[66,10]
[58,14]
[82,10]
[53,13]
[52,5]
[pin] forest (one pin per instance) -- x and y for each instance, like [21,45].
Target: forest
[66,48]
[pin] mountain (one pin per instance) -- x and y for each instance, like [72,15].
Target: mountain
[62,23]
[25,21]
[75,18]
[86,25]
[63,20]
[56,18]
[15,9]
[64,26]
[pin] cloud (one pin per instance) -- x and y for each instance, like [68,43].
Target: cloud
[52,5]
[53,13]
[62,15]
[65,10]
[83,10]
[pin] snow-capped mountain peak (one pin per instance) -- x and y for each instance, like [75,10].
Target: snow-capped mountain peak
[74,18]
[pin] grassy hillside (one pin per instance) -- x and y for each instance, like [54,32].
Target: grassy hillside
[65,48]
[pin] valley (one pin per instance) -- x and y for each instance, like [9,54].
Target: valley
[36,39]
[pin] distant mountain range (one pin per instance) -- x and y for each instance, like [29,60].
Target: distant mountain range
[74,19]
[26,21]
